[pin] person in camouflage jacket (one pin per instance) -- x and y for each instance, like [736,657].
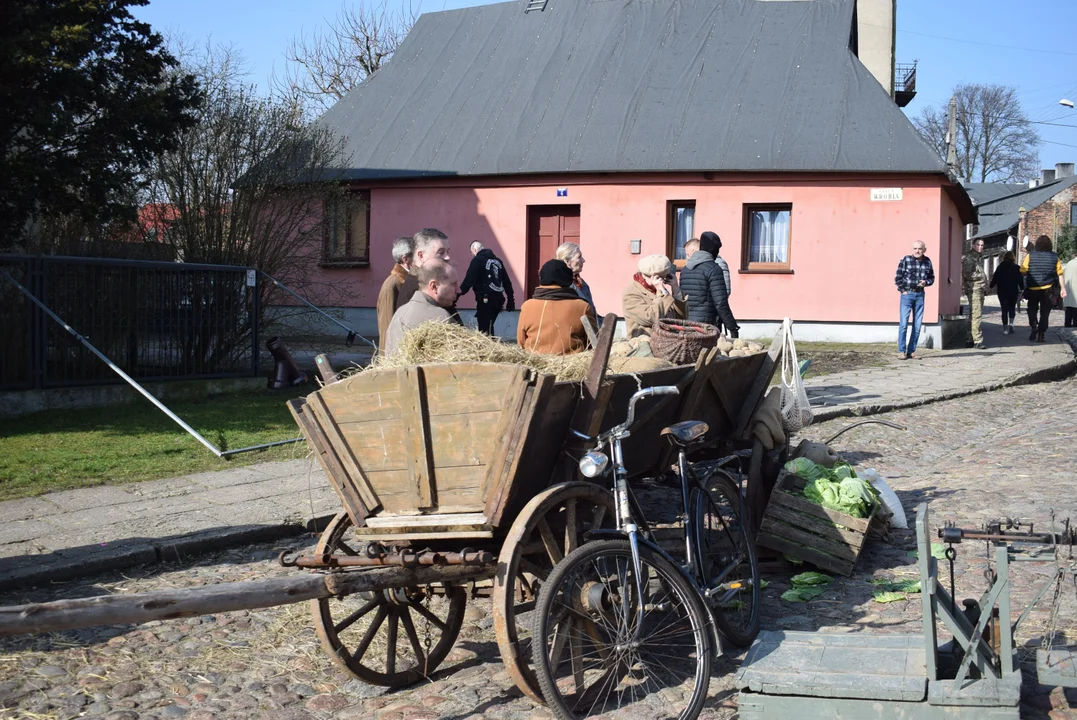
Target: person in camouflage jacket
[974,281]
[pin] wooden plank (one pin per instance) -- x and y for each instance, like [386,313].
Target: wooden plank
[394,491]
[515,477]
[354,473]
[416,425]
[816,557]
[588,406]
[513,422]
[759,385]
[464,440]
[370,395]
[433,534]
[330,463]
[423,521]
[467,387]
[325,370]
[830,546]
[377,446]
[813,524]
[807,507]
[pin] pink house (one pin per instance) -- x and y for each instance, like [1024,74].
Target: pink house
[629,127]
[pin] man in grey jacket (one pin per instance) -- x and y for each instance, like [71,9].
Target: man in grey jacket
[432,303]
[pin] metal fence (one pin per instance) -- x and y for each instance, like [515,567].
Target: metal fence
[155,320]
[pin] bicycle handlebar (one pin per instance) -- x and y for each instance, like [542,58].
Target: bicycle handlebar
[636,397]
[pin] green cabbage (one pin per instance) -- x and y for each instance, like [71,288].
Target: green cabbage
[803,594]
[889,597]
[805,468]
[810,578]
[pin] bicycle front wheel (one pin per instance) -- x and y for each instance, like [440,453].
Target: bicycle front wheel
[728,559]
[615,640]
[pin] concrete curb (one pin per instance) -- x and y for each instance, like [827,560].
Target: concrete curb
[1050,374]
[75,563]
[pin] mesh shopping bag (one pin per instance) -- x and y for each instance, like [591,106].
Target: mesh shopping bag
[795,408]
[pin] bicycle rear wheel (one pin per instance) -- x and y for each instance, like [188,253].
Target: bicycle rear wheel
[727,554]
[601,655]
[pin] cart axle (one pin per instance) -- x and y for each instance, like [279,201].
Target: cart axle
[408,559]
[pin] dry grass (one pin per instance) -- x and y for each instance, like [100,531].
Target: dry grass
[440,342]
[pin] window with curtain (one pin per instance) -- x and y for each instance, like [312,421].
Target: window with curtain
[681,226]
[347,229]
[767,236]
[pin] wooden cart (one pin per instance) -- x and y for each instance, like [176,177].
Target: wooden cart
[455,479]
[433,463]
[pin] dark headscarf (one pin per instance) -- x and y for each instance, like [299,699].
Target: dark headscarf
[555,272]
[710,242]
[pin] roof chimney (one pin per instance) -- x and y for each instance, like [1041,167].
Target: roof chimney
[1048,176]
[1063,170]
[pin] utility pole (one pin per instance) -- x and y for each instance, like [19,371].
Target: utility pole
[951,136]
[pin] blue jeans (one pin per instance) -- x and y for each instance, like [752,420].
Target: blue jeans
[913,302]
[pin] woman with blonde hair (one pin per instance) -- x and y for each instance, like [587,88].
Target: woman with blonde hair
[570,254]
[652,295]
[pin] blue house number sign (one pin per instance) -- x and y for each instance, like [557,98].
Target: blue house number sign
[562,192]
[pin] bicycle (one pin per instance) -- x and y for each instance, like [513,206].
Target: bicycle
[637,624]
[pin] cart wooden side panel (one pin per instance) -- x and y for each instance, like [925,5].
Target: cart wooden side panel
[422,448]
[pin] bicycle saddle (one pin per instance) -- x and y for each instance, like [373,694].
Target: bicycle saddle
[683,434]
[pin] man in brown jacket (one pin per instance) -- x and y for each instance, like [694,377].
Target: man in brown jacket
[652,295]
[550,322]
[389,296]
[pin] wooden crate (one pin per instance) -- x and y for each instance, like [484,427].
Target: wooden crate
[801,529]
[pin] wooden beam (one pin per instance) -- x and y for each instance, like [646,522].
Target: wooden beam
[589,405]
[416,426]
[138,608]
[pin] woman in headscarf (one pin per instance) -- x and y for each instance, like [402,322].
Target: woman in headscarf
[551,321]
[652,295]
[570,254]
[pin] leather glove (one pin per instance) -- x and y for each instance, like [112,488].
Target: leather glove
[734,332]
[511,307]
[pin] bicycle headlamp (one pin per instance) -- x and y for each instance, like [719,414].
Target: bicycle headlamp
[593,464]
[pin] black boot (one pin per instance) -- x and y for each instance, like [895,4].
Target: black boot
[1040,336]
[1032,335]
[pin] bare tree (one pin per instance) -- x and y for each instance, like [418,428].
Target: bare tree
[324,66]
[246,186]
[995,140]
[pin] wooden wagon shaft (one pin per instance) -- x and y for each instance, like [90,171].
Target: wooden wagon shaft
[138,608]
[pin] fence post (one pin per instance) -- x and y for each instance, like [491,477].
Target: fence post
[256,316]
[38,324]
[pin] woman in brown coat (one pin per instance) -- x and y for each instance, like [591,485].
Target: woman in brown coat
[550,321]
[652,295]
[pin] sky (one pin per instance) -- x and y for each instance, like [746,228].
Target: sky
[1028,45]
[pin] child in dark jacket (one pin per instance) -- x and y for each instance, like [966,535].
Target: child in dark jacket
[1010,283]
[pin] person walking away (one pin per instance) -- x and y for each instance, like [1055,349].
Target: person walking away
[652,295]
[1008,283]
[570,254]
[551,321]
[704,286]
[433,302]
[914,273]
[973,281]
[486,275]
[1069,284]
[389,295]
[1041,266]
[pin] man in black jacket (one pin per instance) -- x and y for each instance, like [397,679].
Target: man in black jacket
[703,282]
[486,275]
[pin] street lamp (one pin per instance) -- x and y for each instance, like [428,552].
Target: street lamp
[1067,103]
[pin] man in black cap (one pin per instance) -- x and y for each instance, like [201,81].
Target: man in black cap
[486,275]
[704,285]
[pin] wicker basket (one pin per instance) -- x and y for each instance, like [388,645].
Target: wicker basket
[680,341]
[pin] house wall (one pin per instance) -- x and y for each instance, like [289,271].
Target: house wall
[844,247]
[1049,217]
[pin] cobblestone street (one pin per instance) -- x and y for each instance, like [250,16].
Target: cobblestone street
[996,454]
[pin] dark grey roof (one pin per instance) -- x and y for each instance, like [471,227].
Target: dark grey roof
[1000,216]
[989,192]
[628,86]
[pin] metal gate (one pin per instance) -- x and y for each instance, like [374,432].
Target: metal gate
[155,320]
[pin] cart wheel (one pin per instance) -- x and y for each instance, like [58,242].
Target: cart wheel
[551,526]
[393,637]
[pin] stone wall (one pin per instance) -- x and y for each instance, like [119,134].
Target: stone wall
[1049,218]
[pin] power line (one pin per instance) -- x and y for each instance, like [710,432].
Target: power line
[977,42]
[1052,142]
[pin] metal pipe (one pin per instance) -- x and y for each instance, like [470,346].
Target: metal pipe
[352,334]
[400,559]
[133,383]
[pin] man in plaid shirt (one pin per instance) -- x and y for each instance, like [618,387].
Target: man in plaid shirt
[914,273]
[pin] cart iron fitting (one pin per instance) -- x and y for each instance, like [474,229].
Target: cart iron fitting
[403,558]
